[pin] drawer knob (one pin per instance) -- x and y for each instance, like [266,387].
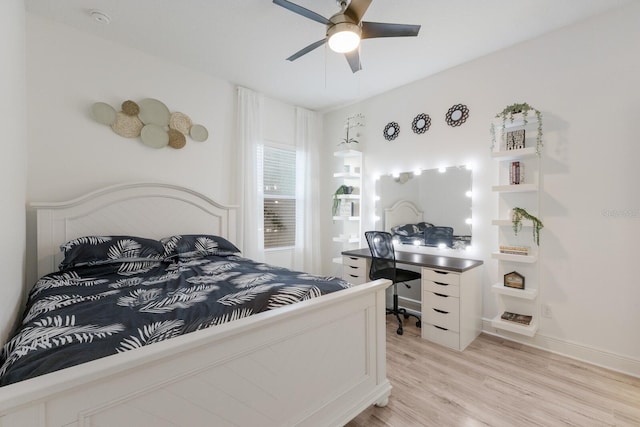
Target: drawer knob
[441,284]
[441,295]
[440,311]
[440,327]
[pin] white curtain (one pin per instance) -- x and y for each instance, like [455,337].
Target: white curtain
[249,173]
[308,243]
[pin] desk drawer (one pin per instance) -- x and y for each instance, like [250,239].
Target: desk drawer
[440,310]
[354,270]
[353,279]
[441,336]
[354,262]
[440,288]
[441,276]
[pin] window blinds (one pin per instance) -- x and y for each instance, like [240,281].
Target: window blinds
[279,180]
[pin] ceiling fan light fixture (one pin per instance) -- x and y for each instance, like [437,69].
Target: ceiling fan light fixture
[344,37]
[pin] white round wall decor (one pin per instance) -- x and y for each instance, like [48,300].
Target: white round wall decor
[391,131]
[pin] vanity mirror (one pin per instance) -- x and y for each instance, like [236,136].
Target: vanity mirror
[434,201]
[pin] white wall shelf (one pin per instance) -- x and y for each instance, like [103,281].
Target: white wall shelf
[509,223]
[348,228]
[528,294]
[346,218]
[528,259]
[347,153]
[518,188]
[532,121]
[514,154]
[350,175]
[527,330]
[346,239]
[527,196]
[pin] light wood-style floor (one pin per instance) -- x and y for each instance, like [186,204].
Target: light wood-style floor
[495,382]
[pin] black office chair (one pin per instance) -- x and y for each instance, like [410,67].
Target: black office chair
[383,266]
[435,236]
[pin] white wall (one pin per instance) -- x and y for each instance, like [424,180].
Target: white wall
[584,80]
[71,154]
[13,161]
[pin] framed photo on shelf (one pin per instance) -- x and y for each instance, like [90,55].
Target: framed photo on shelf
[515,139]
[514,280]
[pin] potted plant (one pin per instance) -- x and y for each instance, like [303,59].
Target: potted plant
[518,214]
[510,112]
[343,189]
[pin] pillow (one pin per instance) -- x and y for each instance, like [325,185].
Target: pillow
[197,245]
[405,230]
[93,250]
[423,225]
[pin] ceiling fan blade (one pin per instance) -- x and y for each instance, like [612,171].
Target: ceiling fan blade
[353,58]
[307,49]
[302,11]
[357,9]
[381,29]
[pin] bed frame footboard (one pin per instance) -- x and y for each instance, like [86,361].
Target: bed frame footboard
[319,362]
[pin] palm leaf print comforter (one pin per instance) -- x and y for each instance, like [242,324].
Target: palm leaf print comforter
[84,313]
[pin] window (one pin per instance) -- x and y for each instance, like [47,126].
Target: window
[279,184]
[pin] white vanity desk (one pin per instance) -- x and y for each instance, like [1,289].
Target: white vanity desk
[451,293]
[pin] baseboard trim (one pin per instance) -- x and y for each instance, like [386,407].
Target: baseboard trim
[411,305]
[598,357]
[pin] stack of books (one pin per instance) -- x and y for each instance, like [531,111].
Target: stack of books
[523,319]
[514,250]
[516,173]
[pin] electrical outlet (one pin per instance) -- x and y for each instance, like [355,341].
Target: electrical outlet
[546,311]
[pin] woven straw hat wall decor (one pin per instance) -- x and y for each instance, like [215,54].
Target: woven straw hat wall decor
[150,120]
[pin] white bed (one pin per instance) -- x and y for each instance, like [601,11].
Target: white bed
[402,212]
[241,373]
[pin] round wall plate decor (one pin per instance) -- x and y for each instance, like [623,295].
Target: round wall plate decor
[391,131]
[154,136]
[103,113]
[154,112]
[457,115]
[199,133]
[421,123]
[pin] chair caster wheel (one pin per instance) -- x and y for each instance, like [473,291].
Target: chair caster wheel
[399,331]
[406,316]
[419,324]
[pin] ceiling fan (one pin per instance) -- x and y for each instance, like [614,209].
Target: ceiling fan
[346,28]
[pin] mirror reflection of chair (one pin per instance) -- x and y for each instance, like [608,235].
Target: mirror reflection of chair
[436,236]
[383,266]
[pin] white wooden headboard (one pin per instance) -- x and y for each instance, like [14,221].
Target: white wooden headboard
[152,210]
[403,212]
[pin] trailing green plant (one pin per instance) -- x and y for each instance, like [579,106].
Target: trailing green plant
[508,115]
[343,189]
[518,214]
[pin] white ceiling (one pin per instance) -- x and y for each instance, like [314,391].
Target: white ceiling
[246,41]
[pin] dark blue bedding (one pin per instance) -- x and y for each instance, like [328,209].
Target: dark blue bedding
[89,311]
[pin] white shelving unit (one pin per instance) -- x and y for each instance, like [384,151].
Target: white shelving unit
[525,195]
[349,228]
